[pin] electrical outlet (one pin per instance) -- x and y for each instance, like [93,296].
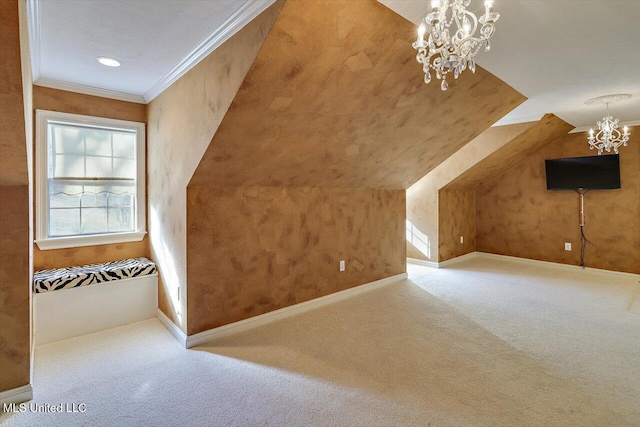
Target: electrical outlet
[567,246]
[461,239]
[343,265]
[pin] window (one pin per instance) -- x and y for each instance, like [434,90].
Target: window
[418,239]
[90,180]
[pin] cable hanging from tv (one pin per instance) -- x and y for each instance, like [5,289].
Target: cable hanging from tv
[583,237]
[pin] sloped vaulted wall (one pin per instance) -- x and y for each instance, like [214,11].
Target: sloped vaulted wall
[441,206]
[309,165]
[457,215]
[423,212]
[180,124]
[335,98]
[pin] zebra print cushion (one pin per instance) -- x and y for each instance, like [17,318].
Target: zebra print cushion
[73,277]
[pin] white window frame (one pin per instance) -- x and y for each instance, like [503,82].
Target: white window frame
[44,242]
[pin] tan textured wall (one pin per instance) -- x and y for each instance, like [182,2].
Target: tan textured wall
[254,249]
[77,103]
[15,337]
[333,99]
[56,258]
[522,146]
[487,156]
[13,161]
[457,213]
[336,99]
[15,255]
[87,105]
[517,216]
[422,197]
[181,123]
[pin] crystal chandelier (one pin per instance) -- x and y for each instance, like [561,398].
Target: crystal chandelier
[452,49]
[608,136]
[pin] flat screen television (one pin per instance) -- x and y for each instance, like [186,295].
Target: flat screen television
[583,173]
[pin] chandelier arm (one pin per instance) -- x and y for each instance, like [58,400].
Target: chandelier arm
[615,136]
[466,47]
[473,40]
[458,26]
[486,31]
[475,23]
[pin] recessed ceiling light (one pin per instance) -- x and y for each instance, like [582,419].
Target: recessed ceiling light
[109,62]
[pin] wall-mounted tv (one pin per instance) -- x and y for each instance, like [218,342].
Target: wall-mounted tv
[583,173]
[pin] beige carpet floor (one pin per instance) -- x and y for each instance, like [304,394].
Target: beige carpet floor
[488,343]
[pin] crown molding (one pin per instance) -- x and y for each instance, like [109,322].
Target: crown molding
[586,128]
[241,17]
[33,24]
[89,90]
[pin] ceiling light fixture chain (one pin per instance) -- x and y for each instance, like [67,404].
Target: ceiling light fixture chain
[448,51]
[608,136]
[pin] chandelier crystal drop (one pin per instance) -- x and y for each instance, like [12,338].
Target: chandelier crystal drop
[608,136]
[452,42]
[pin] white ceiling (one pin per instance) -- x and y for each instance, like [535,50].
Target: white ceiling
[559,53]
[149,37]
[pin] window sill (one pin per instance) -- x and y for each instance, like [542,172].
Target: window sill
[92,240]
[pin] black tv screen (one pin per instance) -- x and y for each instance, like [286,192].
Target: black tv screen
[583,173]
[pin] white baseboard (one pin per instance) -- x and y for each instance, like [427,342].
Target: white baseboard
[68,313]
[557,265]
[172,327]
[458,259]
[17,395]
[426,263]
[253,322]
[442,264]
[486,255]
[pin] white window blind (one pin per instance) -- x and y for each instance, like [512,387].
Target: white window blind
[92,179]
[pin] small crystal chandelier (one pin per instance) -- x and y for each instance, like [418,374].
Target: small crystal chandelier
[608,136]
[449,51]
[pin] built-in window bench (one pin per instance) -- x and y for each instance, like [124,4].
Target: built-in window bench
[74,301]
